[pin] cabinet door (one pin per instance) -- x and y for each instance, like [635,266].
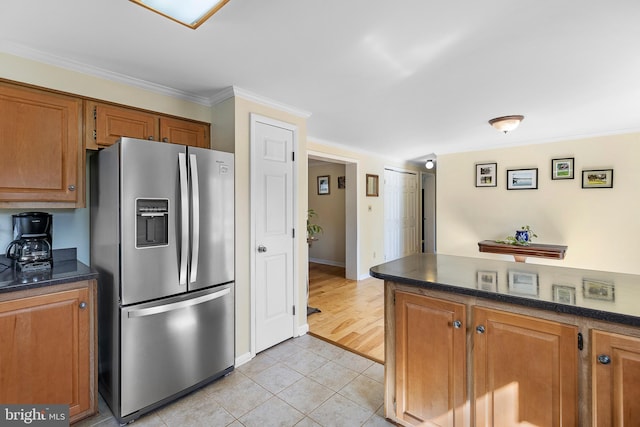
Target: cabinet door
[615,379]
[430,360]
[525,370]
[112,123]
[45,350]
[184,132]
[40,155]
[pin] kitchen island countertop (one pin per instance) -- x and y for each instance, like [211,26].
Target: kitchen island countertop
[608,296]
[66,269]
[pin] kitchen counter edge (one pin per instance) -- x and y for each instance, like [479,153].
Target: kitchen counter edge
[66,269]
[392,275]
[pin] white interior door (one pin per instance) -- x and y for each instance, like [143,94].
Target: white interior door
[273,196]
[401,208]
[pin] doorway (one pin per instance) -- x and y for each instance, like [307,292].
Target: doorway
[322,165]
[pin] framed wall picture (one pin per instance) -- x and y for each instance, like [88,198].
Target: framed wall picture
[564,294]
[599,290]
[372,185]
[597,178]
[522,283]
[323,185]
[488,281]
[486,174]
[522,179]
[342,183]
[562,168]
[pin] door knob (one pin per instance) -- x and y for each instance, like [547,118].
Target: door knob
[262,249]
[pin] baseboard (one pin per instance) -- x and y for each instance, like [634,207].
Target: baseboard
[243,358]
[303,329]
[364,276]
[327,262]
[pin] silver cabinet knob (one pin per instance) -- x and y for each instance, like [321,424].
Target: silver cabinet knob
[72,187]
[150,138]
[262,249]
[83,305]
[165,139]
[457,324]
[480,329]
[603,359]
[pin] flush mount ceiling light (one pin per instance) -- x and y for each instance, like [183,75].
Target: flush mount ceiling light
[191,13]
[506,123]
[431,161]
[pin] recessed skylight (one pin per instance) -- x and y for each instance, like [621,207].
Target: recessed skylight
[191,13]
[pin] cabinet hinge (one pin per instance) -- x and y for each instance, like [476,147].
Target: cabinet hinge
[95,136]
[294,310]
[95,113]
[580,341]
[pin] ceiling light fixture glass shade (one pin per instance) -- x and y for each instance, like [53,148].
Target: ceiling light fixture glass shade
[506,123]
[191,13]
[430,164]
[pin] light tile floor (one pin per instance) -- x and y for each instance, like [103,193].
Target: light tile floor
[301,382]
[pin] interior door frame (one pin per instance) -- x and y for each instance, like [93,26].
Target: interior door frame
[352,241]
[257,118]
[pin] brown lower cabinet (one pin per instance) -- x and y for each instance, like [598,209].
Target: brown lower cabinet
[615,370]
[519,369]
[430,360]
[525,370]
[47,348]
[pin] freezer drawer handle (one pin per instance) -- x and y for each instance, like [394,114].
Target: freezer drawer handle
[177,305]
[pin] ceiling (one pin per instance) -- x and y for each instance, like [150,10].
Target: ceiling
[400,79]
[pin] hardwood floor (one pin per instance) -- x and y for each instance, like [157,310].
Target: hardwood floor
[351,312]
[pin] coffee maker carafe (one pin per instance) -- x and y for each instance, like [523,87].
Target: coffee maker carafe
[31,248]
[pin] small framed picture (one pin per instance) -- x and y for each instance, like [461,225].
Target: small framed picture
[486,174]
[564,294]
[562,168]
[522,179]
[597,178]
[323,185]
[372,185]
[341,182]
[524,284]
[599,290]
[488,281]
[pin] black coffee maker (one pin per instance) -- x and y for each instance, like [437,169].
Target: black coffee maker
[31,248]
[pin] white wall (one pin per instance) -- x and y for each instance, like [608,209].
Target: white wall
[599,226]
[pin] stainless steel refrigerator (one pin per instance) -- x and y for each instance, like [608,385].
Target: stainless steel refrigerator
[162,239]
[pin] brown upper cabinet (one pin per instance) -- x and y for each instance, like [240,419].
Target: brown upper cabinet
[41,144]
[106,123]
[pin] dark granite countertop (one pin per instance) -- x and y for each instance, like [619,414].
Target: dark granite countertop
[613,297]
[66,269]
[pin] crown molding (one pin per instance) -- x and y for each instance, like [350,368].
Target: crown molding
[46,58]
[229,92]
[233,91]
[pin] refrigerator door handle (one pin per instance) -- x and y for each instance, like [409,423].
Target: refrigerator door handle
[184,219]
[177,305]
[195,225]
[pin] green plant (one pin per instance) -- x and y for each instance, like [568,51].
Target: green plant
[312,229]
[513,240]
